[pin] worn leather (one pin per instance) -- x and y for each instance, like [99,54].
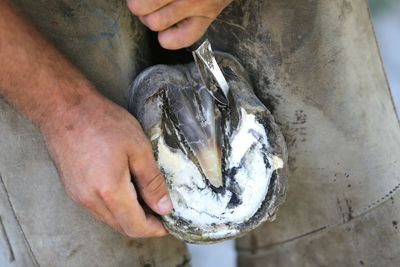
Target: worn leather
[316,65]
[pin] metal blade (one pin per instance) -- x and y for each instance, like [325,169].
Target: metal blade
[210,72]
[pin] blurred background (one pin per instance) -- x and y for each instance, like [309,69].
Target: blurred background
[386,19]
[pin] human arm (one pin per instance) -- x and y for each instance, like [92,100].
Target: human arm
[179,23]
[95,144]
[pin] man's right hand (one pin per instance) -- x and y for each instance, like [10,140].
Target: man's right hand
[179,23]
[95,144]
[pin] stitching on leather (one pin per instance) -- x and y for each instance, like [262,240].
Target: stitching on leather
[350,217]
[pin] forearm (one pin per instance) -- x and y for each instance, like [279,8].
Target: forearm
[95,144]
[34,76]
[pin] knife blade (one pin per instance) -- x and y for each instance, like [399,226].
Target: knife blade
[210,72]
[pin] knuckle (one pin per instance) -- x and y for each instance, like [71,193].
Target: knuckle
[156,184]
[213,8]
[143,147]
[153,22]
[106,194]
[136,8]
[85,200]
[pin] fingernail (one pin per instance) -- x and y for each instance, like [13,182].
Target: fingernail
[164,205]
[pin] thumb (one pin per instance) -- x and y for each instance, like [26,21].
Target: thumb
[149,180]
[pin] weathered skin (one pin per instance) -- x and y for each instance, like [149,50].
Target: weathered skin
[39,224]
[162,92]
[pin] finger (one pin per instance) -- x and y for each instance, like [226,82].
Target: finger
[107,218]
[149,180]
[96,206]
[170,15]
[184,34]
[123,204]
[145,7]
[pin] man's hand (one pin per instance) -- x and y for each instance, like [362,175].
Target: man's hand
[180,23]
[96,147]
[95,144]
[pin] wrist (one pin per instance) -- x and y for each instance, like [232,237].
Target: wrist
[70,111]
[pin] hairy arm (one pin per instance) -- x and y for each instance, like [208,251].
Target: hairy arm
[95,144]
